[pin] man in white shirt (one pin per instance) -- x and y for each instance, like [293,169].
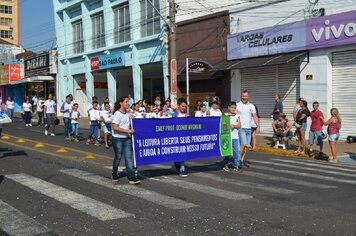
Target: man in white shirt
[66,109]
[246,110]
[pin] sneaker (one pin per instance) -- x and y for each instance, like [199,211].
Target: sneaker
[226,168]
[67,138]
[183,174]
[26,125]
[236,169]
[29,124]
[52,134]
[46,132]
[76,140]
[115,177]
[134,181]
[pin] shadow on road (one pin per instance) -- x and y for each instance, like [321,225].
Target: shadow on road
[352,155]
[1,179]
[5,150]
[12,154]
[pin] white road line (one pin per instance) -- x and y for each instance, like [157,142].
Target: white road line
[288,180]
[304,168]
[325,163]
[157,198]
[274,178]
[14,222]
[75,200]
[331,167]
[310,175]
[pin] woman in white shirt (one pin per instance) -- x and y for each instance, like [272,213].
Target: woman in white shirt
[49,113]
[201,112]
[10,106]
[26,107]
[214,110]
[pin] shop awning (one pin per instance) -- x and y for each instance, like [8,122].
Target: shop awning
[260,61]
[33,79]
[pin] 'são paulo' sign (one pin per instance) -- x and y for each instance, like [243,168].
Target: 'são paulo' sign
[107,61]
[180,139]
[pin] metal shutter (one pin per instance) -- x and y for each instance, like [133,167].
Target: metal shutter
[267,81]
[343,89]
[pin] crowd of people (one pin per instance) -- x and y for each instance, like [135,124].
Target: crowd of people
[114,121]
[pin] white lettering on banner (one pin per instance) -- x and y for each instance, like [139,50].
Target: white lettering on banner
[349,30]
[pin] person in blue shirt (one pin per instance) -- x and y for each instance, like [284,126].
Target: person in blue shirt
[278,107]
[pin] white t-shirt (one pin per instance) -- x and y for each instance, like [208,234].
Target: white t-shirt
[94,115]
[67,106]
[10,105]
[40,105]
[234,121]
[107,116]
[50,107]
[26,106]
[245,112]
[123,121]
[74,115]
[200,114]
[214,112]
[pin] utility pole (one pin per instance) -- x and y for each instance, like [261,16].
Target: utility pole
[172,51]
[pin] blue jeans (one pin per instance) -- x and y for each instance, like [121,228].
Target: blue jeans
[179,166]
[236,153]
[67,126]
[10,112]
[75,128]
[123,146]
[40,117]
[94,130]
[245,136]
[27,117]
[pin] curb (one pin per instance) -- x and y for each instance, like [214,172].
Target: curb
[290,153]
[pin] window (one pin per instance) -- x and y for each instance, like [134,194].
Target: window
[122,30]
[150,22]
[78,43]
[6,34]
[6,21]
[98,30]
[5,9]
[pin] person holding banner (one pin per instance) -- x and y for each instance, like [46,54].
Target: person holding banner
[121,139]
[235,124]
[246,110]
[181,112]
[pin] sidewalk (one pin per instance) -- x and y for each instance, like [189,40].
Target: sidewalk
[346,152]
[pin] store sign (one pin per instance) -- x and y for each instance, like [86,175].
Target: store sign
[4,79]
[321,32]
[107,61]
[199,67]
[10,73]
[38,65]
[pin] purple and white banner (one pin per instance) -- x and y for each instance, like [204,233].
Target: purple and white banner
[321,32]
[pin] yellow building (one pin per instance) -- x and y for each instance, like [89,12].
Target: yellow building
[10,21]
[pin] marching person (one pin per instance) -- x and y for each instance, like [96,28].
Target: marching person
[201,111]
[214,110]
[94,118]
[39,110]
[246,110]
[27,107]
[235,124]
[49,114]
[66,109]
[74,117]
[181,112]
[106,123]
[334,126]
[10,106]
[122,140]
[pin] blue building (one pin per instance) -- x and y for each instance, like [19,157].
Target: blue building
[111,48]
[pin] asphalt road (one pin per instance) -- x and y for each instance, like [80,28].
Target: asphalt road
[49,186]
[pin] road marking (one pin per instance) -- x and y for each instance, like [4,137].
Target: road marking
[5,137]
[14,222]
[39,145]
[325,163]
[288,180]
[237,182]
[157,198]
[317,164]
[61,150]
[90,156]
[21,140]
[276,178]
[305,168]
[75,200]
[315,176]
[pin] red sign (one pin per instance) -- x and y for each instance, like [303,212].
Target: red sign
[14,72]
[94,63]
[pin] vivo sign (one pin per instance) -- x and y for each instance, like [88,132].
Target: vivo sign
[322,32]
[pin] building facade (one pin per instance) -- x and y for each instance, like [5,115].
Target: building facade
[10,21]
[309,51]
[111,48]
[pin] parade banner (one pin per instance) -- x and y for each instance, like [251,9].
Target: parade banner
[158,141]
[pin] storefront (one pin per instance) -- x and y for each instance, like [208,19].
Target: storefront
[298,60]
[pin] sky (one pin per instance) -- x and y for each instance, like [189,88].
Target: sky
[37,25]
